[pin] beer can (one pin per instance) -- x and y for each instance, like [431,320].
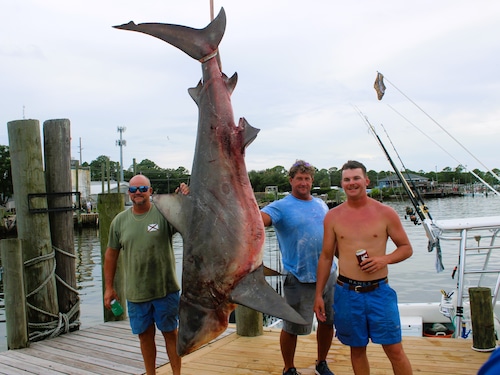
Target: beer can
[361,254]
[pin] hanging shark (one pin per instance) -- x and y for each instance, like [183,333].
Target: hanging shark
[219,220]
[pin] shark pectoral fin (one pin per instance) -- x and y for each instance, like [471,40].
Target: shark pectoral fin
[173,208]
[254,292]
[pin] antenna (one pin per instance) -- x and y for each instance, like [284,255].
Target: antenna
[121,142]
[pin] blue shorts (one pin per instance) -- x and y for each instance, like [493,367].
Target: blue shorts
[300,296]
[162,311]
[360,316]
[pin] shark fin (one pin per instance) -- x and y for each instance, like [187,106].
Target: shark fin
[254,292]
[171,207]
[197,43]
[250,133]
[230,82]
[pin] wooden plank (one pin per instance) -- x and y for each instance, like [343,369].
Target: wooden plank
[261,355]
[83,344]
[90,360]
[43,363]
[111,349]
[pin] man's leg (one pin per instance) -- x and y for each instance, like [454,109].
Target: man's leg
[171,344]
[288,343]
[148,349]
[400,362]
[324,337]
[359,360]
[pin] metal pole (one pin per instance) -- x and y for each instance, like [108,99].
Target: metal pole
[121,142]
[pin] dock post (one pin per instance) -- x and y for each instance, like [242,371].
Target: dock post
[110,205]
[248,322]
[483,326]
[33,227]
[15,297]
[57,152]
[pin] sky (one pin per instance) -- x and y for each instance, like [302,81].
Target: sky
[305,78]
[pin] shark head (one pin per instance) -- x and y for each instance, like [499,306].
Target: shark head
[200,324]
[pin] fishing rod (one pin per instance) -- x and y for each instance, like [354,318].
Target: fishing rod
[421,209]
[380,88]
[415,190]
[442,148]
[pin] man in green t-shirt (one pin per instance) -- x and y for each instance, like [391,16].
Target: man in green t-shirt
[144,237]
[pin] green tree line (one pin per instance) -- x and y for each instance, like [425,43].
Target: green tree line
[166,180]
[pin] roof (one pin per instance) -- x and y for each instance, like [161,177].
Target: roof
[394,177]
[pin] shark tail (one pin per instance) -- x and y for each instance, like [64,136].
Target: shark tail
[200,44]
[199,325]
[254,292]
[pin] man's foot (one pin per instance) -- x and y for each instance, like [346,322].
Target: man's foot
[291,371]
[322,368]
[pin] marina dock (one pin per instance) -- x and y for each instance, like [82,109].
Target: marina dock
[110,348]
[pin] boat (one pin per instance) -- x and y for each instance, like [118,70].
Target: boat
[477,266]
[474,237]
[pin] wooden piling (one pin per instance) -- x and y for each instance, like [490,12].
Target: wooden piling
[483,326]
[248,322]
[15,297]
[57,148]
[32,222]
[110,205]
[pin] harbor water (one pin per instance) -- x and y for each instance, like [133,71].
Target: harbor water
[415,279]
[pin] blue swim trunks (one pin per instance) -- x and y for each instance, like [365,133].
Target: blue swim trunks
[162,311]
[373,314]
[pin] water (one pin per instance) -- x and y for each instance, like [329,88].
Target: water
[415,279]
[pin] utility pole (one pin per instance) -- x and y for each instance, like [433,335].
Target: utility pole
[80,150]
[121,142]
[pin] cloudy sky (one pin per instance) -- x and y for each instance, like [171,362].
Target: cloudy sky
[305,70]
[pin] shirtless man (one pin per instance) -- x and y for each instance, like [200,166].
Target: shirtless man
[364,303]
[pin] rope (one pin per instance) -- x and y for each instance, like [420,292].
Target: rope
[208,57]
[61,321]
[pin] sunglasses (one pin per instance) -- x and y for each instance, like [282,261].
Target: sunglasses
[134,189]
[301,164]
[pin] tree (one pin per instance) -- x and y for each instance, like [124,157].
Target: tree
[6,188]
[100,164]
[322,178]
[335,176]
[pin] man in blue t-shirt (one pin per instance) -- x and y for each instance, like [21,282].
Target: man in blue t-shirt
[298,222]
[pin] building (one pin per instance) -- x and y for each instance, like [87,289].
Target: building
[394,182]
[102,187]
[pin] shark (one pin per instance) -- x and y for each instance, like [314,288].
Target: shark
[219,220]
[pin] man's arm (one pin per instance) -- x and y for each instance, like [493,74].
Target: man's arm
[266,219]
[324,266]
[398,235]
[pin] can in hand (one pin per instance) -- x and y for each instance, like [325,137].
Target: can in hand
[361,254]
[116,308]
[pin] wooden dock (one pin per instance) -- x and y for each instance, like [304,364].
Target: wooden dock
[110,348]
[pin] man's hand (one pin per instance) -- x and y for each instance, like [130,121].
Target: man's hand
[183,189]
[319,309]
[374,264]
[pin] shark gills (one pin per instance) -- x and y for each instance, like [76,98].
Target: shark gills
[219,220]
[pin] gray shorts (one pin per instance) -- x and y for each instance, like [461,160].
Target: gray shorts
[300,296]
